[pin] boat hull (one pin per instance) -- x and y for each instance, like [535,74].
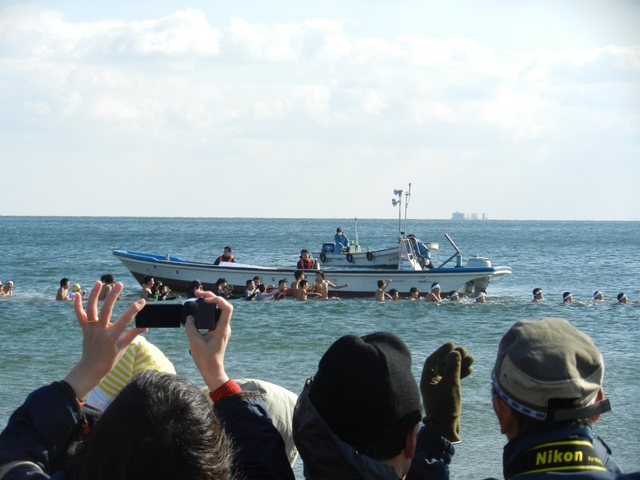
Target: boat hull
[178,273]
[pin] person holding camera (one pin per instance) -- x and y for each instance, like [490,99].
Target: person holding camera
[160,426]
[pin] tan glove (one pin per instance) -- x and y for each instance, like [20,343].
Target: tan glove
[440,389]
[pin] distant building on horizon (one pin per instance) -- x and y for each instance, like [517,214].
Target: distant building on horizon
[464,216]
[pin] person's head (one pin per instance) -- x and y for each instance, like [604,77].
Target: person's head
[319,275]
[338,231]
[76,287]
[298,274]
[537,294]
[262,288]
[414,292]
[622,298]
[159,426]
[7,286]
[227,251]
[567,297]
[221,281]
[257,280]
[435,288]
[598,295]
[395,295]
[381,283]
[147,281]
[192,287]
[107,279]
[251,283]
[304,253]
[453,296]
[303,284]
[282,284]
[481,297]
[377,425]
[547,373]
[64,283]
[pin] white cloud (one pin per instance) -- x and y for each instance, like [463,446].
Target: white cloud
[179,87]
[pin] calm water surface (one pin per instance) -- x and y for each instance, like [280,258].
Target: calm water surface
[282,341]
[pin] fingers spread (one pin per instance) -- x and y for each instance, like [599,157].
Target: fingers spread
[92,303]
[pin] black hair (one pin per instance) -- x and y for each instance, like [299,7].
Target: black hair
[249,281]
[107,279]
[380,283]
[320,272]
[620,295]
[192,287]
[160,426]
[64,281]
[146,279]
[393,291]
[262,287]
[298,273]
[387,447]
[227,248]
[413,289]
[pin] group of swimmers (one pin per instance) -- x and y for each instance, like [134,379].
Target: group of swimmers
[567,297]
[435,294]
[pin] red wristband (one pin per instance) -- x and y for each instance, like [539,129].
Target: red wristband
[229,387]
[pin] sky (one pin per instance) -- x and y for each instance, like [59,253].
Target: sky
[520,110]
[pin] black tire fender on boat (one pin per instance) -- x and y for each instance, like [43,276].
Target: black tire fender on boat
[349,258]
[369,256]
[323,257]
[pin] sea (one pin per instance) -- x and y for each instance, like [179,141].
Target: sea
[282,342]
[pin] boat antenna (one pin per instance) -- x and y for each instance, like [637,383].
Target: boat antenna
[356,222]
[398,202]
[406,206]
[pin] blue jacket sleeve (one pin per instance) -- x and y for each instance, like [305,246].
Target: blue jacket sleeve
[432,458]
[39,431]
[259,451]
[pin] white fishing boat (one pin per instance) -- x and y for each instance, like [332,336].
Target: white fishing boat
[466,279]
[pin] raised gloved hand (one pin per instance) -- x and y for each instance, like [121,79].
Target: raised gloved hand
[440,389]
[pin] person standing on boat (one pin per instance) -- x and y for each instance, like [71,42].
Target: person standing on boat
[341,240]
[225,257]
[421,251]
[305,262]
[547,394]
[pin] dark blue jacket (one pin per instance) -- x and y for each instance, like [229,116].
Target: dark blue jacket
[574,453]
[326,456]
[39,432]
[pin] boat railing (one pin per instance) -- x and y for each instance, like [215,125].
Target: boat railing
[457,255]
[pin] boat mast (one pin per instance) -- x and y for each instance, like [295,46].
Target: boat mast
[356,224]
[406,206]
[398,203]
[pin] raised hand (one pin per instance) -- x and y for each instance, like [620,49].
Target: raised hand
[440,388]
[103,342]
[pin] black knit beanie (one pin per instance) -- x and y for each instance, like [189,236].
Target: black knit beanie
[364,389]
